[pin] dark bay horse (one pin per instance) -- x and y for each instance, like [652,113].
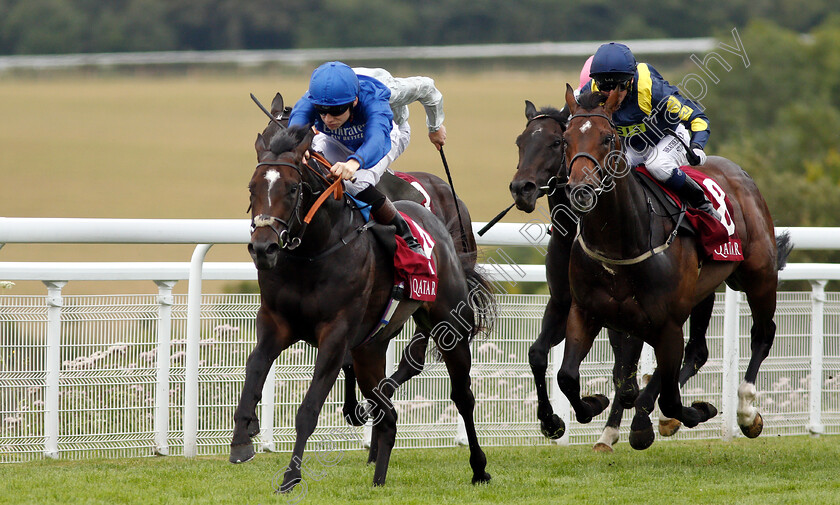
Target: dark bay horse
[625,275]
[456,218]
[330,290]
[541,171]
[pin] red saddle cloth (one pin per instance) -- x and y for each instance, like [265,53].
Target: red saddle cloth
[416,271]
[718,239]
[419,187]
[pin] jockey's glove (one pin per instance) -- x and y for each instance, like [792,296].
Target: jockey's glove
[699,157]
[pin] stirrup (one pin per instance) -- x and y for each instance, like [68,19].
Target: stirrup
[413,244]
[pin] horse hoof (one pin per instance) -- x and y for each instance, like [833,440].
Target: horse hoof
[553,428]
[753,430]
[602,447]
[253,428]
[707,411]
[241,453]
[481,479]
[669,427]
[642,439]
[287,486]
[352,417]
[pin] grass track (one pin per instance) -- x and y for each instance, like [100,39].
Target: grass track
[770,470]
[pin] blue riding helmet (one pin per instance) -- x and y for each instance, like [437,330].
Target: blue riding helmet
[333,83]
[613,59]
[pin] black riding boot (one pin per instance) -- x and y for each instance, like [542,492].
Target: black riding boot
[384,212]
[695,197]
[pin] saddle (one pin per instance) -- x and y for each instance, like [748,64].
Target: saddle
[717,240]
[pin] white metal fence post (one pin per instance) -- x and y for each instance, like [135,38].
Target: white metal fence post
[164,337]
[51,400]
[729,386]
[559,403]
[815,425]
[267,412]
[193,346]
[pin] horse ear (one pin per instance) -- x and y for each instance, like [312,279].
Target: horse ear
[613,102]
[305,142]
[277,105]
[259,145]
[530,110]
[570,99]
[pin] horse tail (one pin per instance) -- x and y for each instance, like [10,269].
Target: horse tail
[481,298]
[783,248]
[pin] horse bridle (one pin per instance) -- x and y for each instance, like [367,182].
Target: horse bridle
[605,179]
[606,175]
[284,235]
[552,183]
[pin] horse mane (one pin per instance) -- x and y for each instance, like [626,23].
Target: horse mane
[553,113]
[287,139]
[590,101]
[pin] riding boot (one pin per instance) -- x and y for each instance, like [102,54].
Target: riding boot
[384,212]
[695,197]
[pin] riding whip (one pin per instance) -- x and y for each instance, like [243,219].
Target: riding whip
[455,198]
[495,220]
[692,158]
[262,108]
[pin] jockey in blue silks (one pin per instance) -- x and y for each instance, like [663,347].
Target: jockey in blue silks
[648,106]
[357,133]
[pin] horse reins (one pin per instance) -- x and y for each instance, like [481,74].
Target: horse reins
[287,241]
[579,236]
[550,185]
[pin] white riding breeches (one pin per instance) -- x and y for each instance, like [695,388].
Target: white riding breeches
[334,151]
[662,159]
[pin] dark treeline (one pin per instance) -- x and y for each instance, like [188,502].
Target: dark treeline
[73,26]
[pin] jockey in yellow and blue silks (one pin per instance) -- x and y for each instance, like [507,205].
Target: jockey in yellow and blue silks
[649,105]
[353,117]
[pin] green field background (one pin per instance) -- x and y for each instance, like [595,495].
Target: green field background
[182,146]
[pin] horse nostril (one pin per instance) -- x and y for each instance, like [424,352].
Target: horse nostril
[272,249]
[523,188]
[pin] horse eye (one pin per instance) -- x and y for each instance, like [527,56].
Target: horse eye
[293,189]
[557,143]
[609,139]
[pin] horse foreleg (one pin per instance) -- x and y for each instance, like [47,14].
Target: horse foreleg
[272,338]
[352,410]
[641,429]
[370,365]
[580,334]
[553,332]
[458,365]
[627,351]
[331,350]
[696,355]
[669,352]
[411,364]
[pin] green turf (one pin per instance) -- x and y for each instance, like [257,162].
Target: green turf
[768,470]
